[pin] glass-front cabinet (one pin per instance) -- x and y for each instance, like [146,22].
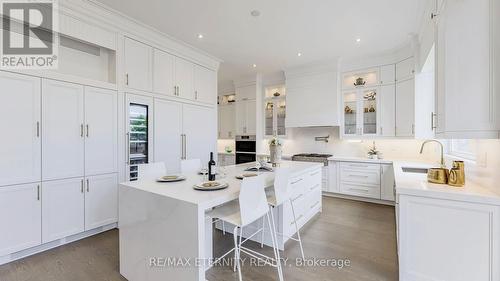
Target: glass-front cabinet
[274,111]
[361,115]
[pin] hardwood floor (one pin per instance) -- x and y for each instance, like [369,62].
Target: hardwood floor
[362,233]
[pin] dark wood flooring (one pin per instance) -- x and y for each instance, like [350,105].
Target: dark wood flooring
[362,233]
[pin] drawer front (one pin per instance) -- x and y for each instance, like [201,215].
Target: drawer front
[368,191]
[357,176]
[297,186]
[360,166]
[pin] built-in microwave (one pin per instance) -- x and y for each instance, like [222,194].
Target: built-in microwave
[246,147]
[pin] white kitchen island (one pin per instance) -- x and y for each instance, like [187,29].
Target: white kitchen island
[165,235]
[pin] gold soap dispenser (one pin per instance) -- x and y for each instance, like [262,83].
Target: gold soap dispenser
[457,174]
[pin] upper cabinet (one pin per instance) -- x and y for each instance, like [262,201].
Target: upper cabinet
[150,69]
[361,114]
[163,73]
[387,74]
[138,65]
[275,111]
[184,78]
[467,64]
[205,86]
[405,69]
[21,123]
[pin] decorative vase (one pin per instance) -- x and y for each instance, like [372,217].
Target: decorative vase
[275,153]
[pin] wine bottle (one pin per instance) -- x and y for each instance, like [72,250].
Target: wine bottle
[211,167]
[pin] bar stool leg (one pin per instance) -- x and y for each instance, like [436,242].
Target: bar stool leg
[276,241]
[275,248]
[262,233]
[236,251]
[223,228]
[297,229]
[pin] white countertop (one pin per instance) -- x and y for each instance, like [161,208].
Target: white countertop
[359,159]
[416,184]
[183,190]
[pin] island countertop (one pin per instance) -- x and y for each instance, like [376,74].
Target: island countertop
[184,191]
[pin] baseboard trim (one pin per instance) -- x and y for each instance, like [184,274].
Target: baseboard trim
[54,244]
[356,198]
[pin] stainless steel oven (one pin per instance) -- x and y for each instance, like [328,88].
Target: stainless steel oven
[246,147]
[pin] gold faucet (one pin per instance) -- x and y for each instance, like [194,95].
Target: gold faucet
[442,150]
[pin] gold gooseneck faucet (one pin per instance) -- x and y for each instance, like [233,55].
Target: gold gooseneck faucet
[442,150]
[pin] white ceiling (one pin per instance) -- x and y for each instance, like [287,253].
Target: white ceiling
[319,29]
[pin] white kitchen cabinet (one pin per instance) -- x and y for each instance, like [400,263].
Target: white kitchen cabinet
[63,208]
[333,174]
[361,115]
[387,74]
[20,122]
[387,110]
[138,65]
[63,129]
[360,179]
[163,73]
[168,134]
[321,108]
[387,189]
[405,69]
[405,108]
[199,127]
[20,217]
[227,122]
[467,70]
[448,240]
[205,87]
[246,115]
[184,78]
[101,200]
[100,131]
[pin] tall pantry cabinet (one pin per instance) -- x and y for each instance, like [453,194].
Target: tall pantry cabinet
[60,165]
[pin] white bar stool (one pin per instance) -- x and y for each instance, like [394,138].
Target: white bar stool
[150,171]
[250,207]
[279,196]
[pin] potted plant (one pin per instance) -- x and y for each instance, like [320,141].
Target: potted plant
[373,153]
[275,145]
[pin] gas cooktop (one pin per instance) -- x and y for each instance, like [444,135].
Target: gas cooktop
[312,157]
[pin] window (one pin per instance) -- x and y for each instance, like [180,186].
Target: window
[465,149]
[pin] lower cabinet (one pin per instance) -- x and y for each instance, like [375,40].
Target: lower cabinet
[448,240]
[63,208]
[52,210]
[20,217]
[360,179]
[101,201]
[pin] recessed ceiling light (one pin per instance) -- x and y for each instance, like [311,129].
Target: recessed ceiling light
[200,36]
[254,65]
[255,13]
[299,54]
[358,40]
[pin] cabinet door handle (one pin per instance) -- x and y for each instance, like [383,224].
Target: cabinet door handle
[298,197]
[81,130]
[87,127]
[297,181]
[298,218]
[381,130]
[195,95]
[126,79]
[38,192]
[413,129]
[314,187]
[88,185]
[313,174]
[38,129]
[82,187]
[182,146]
[128,149]
[315,204]
[358,176]
[433,115]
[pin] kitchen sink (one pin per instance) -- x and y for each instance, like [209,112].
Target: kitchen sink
[415,170]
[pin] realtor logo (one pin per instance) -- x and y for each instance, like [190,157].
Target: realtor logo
[29,37]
